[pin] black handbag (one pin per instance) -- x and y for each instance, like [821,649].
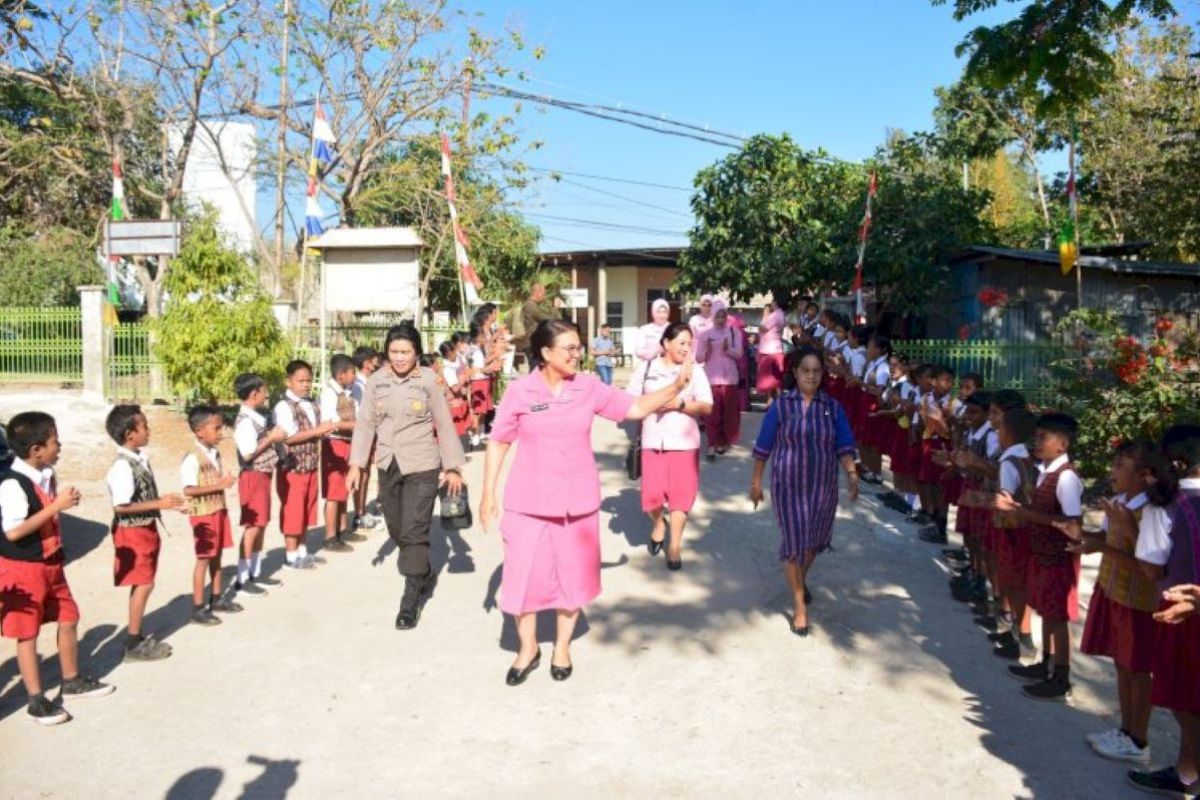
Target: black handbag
[455,509]
[633,456]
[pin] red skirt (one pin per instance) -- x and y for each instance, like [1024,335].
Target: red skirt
[905,454]
[953,485]
[852,402]
[929,472]
[1177,665]
[1012,556]
[1119,632]
[481,397]
[460,414]
[1054,590]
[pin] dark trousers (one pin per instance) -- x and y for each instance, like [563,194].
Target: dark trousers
[408,509]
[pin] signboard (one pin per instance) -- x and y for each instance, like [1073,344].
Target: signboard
[142,237]
[574,298]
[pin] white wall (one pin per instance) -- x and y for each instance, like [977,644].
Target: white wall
[373,280]
[220,171]
[622,287]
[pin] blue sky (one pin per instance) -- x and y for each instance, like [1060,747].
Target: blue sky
[835,74]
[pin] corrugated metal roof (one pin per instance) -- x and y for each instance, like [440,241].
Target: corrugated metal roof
[1115,265]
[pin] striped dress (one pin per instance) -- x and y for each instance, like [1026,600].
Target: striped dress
[804,445]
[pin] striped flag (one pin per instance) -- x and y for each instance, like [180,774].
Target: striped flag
[118,194]
[470,278]
[322,142]
[864,229]
[118,214]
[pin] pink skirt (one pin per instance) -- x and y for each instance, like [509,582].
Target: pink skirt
[549,562]
[670,478]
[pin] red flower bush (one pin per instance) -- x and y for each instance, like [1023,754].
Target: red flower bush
[964,333]
[992,296]
[1163,325]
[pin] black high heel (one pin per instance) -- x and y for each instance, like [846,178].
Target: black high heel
[516,676]
[657,547]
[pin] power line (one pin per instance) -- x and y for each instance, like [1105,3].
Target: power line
[591,223]
[608,178]
[623,197]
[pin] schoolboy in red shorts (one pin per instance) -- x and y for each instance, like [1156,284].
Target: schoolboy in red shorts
[258,448]
[204,483]
[296,479]
[33,585]
[1053,575]
[339,407]
[137,508]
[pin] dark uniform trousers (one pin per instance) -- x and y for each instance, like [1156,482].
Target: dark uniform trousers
[408,510]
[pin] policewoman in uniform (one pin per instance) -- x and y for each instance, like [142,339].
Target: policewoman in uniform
[551,523]
[405,412]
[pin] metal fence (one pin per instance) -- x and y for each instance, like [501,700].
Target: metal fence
[1027,367]
[132,369]
[41,345]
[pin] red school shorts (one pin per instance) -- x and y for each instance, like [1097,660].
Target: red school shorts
[297,501]
[335,463]
[254,495]
[211,533]
[135,560]
[1176,665]
[929,472]
[1119,632]
[670,478]
[1054,589]
[34,593]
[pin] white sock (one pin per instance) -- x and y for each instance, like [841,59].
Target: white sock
[292,557]
[243,570]
[255,564]
[302,550]
[914,501]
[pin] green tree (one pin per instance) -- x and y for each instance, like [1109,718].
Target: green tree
[43,268]
[772,217]
[408,189]
[1011,209]
[217,322]
[1053,50]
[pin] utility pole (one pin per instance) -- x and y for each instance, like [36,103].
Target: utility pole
[281,155]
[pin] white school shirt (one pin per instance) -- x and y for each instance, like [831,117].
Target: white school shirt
[477,362]
[329,400]
[14,506]
[450,373]
[879,371]
[993,441]
[189,469]
[818,331]
[356,389]
[829,341]
[120,476]
[284,417]
[1069,490]
[1123,499]
[1154,533]
[856,358]
[1010,476]
[245,437]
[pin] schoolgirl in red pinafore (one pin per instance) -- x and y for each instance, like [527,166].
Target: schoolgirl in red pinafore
[460,407]
[953,481]
[1176,664]
[930,472]
[1120,621]
[481,382]
[1007,539]
[905,449]
[33,581]
[854,397]
[1053,580]
[870,429]
[972,521]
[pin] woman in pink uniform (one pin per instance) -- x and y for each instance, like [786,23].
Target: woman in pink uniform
[719,350]
[650,334]
[551,523]
[770,351]
[671,442]
[743,362]
[701,322]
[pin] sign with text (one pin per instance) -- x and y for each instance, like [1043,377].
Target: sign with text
[159,237]
[574,298]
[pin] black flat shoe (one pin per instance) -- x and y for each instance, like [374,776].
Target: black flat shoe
[516,676]
[801,632]
[656,547]
[561,673]
[675,565]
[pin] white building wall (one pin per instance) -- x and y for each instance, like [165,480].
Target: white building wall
[220,171]
[622,286]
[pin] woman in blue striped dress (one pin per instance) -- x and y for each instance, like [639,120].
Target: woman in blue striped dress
[808,434]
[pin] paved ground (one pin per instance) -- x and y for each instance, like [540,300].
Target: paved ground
[686,685]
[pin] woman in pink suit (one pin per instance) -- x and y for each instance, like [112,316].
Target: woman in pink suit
[649,336]
[551,523]
[718,350]
[743,362]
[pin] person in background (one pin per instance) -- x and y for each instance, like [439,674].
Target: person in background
[718,350]
[702,320]
[551,523]
[367,360]
[671,442]
[603,351]
[770,350]
[534,312]
[338,406]
[649,335]
[806,435]
[745,371]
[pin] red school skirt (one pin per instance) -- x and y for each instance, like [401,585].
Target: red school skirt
[1054,589]
[929,472]
[970,521]
[1176,665]
[481,396]
[905,453]
[1013,555]
[1116,631]
[460,414]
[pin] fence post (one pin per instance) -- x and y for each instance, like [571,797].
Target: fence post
[91,318]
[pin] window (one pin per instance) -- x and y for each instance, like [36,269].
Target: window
[614,314]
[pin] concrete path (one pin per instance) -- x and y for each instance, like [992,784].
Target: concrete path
[686,685]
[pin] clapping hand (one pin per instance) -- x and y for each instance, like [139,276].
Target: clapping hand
[1120,519]
[685,373]
[1005,502]
[1185,600]
[172,501]
[67,498]
[1073,529]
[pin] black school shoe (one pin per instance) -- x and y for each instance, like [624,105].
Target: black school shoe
[44,712]
[1163,781]
[1009,649]
[263,580]
[85,686]
[249,588]
[932,534]
[202,616]
[1054,688]
[1037,672]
